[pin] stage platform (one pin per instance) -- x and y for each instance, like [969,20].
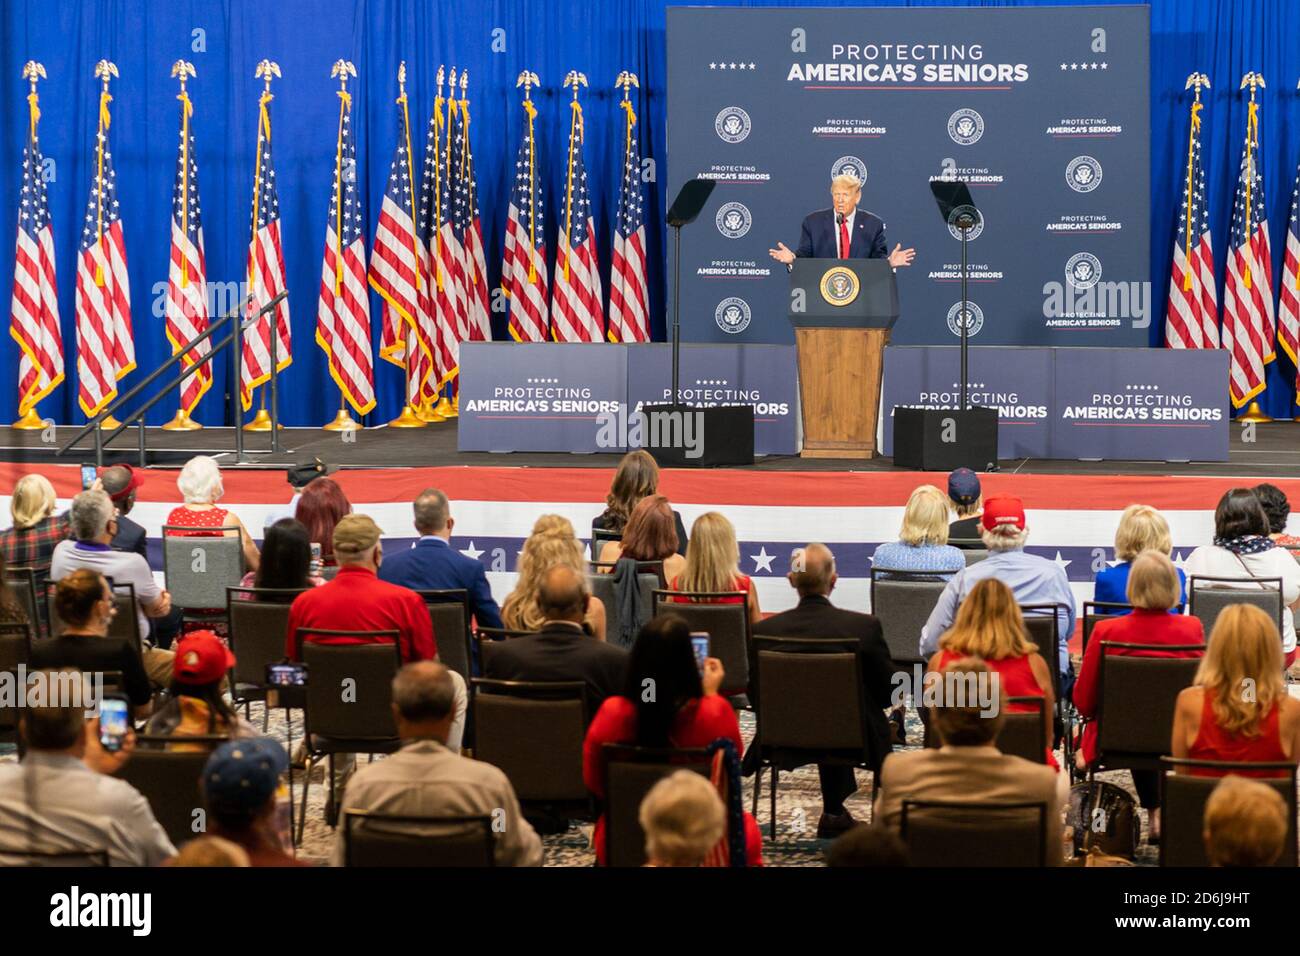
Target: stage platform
[1274,452]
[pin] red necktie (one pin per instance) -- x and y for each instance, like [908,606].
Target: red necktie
[844,238]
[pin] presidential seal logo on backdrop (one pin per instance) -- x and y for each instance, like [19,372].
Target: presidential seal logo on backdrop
[732,124]
[1083,174]
[965,127]
[973,319]
[1083,270]
[974,231]
[850,166]
[733,220]
[732,315]
[839,285]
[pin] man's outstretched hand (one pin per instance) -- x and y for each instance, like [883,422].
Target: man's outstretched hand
[901,256]
[781,253]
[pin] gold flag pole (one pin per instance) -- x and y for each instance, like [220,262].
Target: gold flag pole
[1253,81]
[31,420]
[408,418]
[342,69]
[266,69]
[182,70]
[104,70]
[444,410]
[464,171]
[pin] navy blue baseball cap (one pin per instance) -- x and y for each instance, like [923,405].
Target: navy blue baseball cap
[964,486]
[242,775]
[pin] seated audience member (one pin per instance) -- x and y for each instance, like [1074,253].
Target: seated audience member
[197,707]
[426,778]
[432,564]
[1154,589]
[637,477]
[812,575]
[1238,707]
[713,564]
[683,818]
[968,767]
[83,601]
[298,477]
[119,483]
[1245,823]
[63,797]
[989,626]
[93,526]
[286,560]
[1242,548]
[200,486]
[321,507]
[241,782]
[1277,509]
[552,542]
[650,535]
[871,847]
[685,711]
[1033,580]
[562,650]
[210,851]
[922,543]
[356,600]
[1141,528]
[967,499]
[37,529]
[11,608]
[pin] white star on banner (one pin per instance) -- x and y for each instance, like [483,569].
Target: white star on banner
[762,560]
[1061,562]
[471,551]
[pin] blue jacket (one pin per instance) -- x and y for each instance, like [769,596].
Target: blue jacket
[1112,585]
[434,565]
[819,238]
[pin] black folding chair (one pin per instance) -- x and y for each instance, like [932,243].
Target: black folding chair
[1183,796]
[385,840]
[954,833]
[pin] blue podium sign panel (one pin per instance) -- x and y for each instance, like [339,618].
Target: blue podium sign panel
[1044,111]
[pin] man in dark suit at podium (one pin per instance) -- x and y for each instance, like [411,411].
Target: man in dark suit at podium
[844,231]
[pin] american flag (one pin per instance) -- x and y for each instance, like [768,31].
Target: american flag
[34,313]
[187,284]
[343,312]
[524,264]
[265,272]
[1192,316]
[1248,330]
[469,230]
[399,270]
[629,312]
[105,350]
[577,314]
[444,254]
[1288,305]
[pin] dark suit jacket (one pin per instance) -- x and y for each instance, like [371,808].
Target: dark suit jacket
[434,565]
[815,616]
[130,537]
[820,237]
[560,653]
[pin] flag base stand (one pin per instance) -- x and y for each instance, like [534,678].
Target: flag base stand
[182,423]
[30,422]
[430,415]
[110,423]
[446,409]
[261,422]
[408,419]
[343,422]
[455,403]
[1254,414]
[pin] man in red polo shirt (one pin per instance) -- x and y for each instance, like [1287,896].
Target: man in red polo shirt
[356,600]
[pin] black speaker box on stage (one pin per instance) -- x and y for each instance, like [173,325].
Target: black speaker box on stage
[920,433]
[722,435]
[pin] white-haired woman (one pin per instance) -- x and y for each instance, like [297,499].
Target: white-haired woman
[37,529]
[922,543]
[201,488]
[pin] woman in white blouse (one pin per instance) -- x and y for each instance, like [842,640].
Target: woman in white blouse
[1242,548]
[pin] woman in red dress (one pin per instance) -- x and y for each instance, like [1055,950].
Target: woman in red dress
[201,488]
[713,564]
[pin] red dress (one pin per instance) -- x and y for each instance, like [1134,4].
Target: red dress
[1214,743]
[211,519]
[702,721]
[741,582]
[1017,679]
[1143,626]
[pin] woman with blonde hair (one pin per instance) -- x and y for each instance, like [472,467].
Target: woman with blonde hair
[30,542]
[1141,528]
[990,626]
[713,564]
[1238,708]
[637,477]
[552,543]
[922,543]
[683,819]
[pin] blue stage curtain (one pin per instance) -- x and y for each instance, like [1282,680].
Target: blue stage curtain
[1223,38]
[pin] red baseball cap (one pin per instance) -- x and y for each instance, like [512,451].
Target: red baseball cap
[133,482]
[1003,509]
[201,658]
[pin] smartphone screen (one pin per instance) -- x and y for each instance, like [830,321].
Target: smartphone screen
[88,476]
[114,722]
[700,645]
[316,563]
[286,675]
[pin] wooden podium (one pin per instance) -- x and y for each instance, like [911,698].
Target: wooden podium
[842,311]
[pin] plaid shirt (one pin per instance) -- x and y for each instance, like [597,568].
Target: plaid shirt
[32,547]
